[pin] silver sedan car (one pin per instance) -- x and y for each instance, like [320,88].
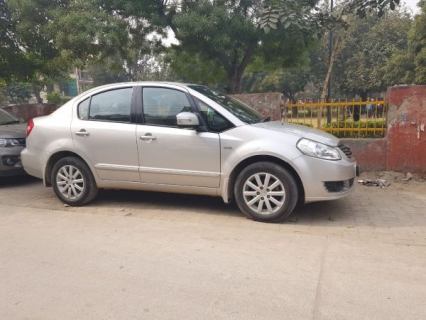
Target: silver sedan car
[183,138]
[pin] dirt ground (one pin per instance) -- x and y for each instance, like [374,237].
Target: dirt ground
[397,181]
[145,255]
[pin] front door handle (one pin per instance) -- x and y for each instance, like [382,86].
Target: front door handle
[82,133]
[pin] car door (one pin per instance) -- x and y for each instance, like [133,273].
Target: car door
[105,134]
[172,155]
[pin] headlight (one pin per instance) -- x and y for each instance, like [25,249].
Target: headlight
[6,142]
[318,150]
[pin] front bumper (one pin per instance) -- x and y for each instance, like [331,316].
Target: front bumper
[326,180]
[10,163]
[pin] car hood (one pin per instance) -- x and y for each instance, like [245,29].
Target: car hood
[301,131]
[13,130]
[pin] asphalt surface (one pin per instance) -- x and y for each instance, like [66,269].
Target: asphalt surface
[138,255]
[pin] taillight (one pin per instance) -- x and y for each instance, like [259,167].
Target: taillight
[30,127]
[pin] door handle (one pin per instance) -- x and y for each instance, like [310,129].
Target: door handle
[148,137]
[82,133]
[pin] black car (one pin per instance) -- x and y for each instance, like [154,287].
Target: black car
[12,142]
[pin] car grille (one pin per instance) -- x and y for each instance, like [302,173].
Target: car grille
[338,186]
[334,186]
[346,150]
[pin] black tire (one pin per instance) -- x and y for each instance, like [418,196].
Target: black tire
[77,190]
[261,203]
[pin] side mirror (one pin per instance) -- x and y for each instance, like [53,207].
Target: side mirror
[187,119]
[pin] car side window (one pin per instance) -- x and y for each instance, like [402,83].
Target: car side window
[113,105]
[215,121]
[161,105]
[83,109]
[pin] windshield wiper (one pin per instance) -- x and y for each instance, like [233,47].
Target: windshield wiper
[265,119]
[10,122]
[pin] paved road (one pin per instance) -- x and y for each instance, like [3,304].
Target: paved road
[135,255]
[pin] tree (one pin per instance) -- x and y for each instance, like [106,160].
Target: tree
[192,67]
[147,67]
[364,51]
[318,20]
[42,61]
[224,32]
[58,35]
[228,32]
[287,81]
[13,64]
[371,50]
[408,66]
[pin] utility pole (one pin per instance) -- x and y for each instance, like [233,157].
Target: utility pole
[330,52]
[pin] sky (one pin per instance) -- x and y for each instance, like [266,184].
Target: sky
[412,4]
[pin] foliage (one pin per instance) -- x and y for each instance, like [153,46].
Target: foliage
[13,65]
[148,67]
[191,67]
[3,96]
[358,128]
[366,46]
[16,93]
[287,81]
[316,20]
[371,44]
[227,33]
[41,59]
[54,97]
[307,15]
[68,33]
[408,65]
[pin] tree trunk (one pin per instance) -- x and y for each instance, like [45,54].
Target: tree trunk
[234,81]
[327,78]
[235,72]
[36,92]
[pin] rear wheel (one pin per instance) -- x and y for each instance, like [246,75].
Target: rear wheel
[73,181]
[265,191]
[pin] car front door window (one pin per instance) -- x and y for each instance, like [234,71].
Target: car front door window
[161,105]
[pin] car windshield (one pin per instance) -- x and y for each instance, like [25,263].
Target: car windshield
[7,118]
[237,108]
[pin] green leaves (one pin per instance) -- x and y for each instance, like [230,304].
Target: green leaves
[304,16]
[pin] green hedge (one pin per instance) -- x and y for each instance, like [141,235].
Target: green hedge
[356,126]
[56,98]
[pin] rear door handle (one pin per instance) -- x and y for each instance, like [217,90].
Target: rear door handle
[146,137]
[82,133]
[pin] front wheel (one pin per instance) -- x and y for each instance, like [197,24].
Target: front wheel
[73,181]
[265,191]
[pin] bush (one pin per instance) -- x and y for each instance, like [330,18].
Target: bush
[357,128]
[54,97]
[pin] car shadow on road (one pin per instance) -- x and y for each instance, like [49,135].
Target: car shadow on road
[349,212]
[16,181]
[166,201]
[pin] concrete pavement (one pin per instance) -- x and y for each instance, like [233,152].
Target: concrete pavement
[136,255]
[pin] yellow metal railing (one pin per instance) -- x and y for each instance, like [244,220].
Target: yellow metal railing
[342,118]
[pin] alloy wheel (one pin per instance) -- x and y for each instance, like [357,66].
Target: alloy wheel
[264,193]
[70,182]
